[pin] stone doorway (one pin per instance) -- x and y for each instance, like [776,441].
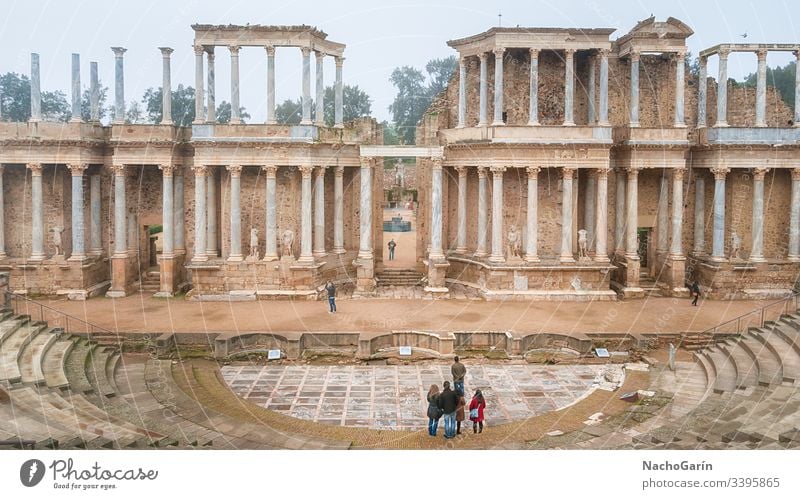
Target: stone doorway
[643,237]
[399,213]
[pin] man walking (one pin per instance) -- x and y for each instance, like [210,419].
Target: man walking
[392,246]
[448,403]
[331,289]
[458,371]
[695,290]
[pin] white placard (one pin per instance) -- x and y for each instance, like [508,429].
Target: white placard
[405,351]
[274,355]
[602,353]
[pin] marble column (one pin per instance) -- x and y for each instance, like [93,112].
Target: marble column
[603,119]
[76,89]
[306,86]
[632,212]
[200,254]
[676,248]
[211,106]
[133,234]
[178,211]
[271,233]
[590,193]
[722,91]
[566,215]
[498,87]
[461,237]
[95,222]
[120,213]
[338,210]
[462,92]
[166,86]
[634,102]
[365,218]
[533,108]
[532,241]
[662,239]
[211,211]
[601,220]
[569,86]
[619,212]
[167,210]
[36,89]
[797,88]
[718,239]
[78,226]
[436,252]
[2,215]
[37,212]
[338,95]
[699,246]
[757,248]
[235,254]
[761,89]
[198,84]
[319,212]
[498,253]
[702,93]
[680,84]
[483,216]
[306,254]
[483,120]
[591,114]
[119,85]
[235,111]
[270,120]
[319,113]
[794,218]
[94,93]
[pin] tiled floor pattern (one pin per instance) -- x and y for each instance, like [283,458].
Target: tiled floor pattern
[393,397]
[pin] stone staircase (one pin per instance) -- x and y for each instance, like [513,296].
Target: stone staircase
[649,285]
[150,281]
[399,277]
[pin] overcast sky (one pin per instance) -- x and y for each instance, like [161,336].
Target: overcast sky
[379,36]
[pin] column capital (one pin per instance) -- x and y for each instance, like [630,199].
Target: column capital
[632,172]
[603,52]
[634,55]
[569,52]
[497,169]
[234,50]
[118,51]
[568,172]
[166,51]
[795,173]
[436,163]
[270,170]
[483,56]
[498,51]
[306,51]
[177,169]
[198,49]
[602,173]
[533,172]
[703,60]
[720,172]
[2,168]
[723,53]
[210,53]
[482,171]
[677,173]
[200,170]
[461,169]
[759,173]
[319,170]
[167,170]
[366,162]
[77,169]
[761,54]
[306,170]
[338,171]
[796,53]
[235,170]
[680,54]
[118,169]
[270,50]
[35,168]
[339,60]
[534,52]
[319,54]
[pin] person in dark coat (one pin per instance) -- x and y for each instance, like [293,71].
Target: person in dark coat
[458,371]
[434,413]
[462,404]
[476,407]
[695,291]
[448,403]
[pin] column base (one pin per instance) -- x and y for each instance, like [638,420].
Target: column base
[480,254]
[757,259]
[339,251]
[305,260]
[235,121]
[533,123]
[37,257]
[532,259]
[497,259]
[718,258]
[793,258]
[3,255]
[461,250]
[483,125]
[602,258]
[461,125]
[566,259]
[119,276]
[568,123]
[634,124]
[199,259]
[498,123]
[720,124]
[364,255]
[235,258]
[270,257]
[306,122]
[77,258]
[320,254]
[338,125]
[679,125]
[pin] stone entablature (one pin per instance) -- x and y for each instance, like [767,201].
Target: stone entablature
[533,38]
[651,36]
[256,35]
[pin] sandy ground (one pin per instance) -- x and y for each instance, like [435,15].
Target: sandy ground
[405,253]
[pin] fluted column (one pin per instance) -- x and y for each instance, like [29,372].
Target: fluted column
[119,85]
[235,111]
[94,93]
[757,249]
[718,239]
[211,213]
[480,251]
[167,210]
[319,212]
[676,248]
[533,108]
[680,84]
[270,120]
[2,215]
[37,212]
[662,241]
[36,89]
[338,96]
[498,87]
[306,254]
[569,87]
[761,89]
[702,93]
[497,256]
[483,120]
[794,218]
[601,220]
[76,89]
[365,218]
[589,213]
[722,89]
[699,246]
[178,215]
[797,88]
[462,92]
[436,252]
[235,254]
[211,106]
[120,213]
[619,212]
[200,254]
[306,86]
[461,237]
[603,120]
[319,113]
[591,114]
[199,116]
[566,215]
[338,210]
[271,232]
[95,223]
[634,102]
[532,242]
[632,212]
[166,86]
[78,226]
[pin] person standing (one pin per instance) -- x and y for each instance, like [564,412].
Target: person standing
[458,371]
[448,402]
[434,413]
[695,289]
[462,403]
[331,289]
[476,407]
[392,246]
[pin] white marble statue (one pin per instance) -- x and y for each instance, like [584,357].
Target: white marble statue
[287,240]
[513,242]
[399,173]
[57,240]
[736,245]
[254,243]
[583,242]
[576,283]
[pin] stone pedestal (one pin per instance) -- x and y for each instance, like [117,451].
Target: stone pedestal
[365,275]
[626,279]
[437,271]
[120,276]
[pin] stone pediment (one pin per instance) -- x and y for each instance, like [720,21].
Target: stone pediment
[650,35]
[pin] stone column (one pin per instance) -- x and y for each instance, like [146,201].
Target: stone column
[680,84]
[133,234]
[590,109]
[338,96]
[37,212]
[198,84]
[498,87]
[619,212]
[167,210]
[119,85]
[306,86]
[200,254]
[462,92]
[797,88]
[76,89]
[484,90]
[699,215]
[498,255]
[338,210]
[757,249]
[533,108]
[235,111]
[603,121]
[271,233]
[166,86]
[676,248]
[480,251]
[634,102]
[365,218]
[235,254]
[211,107]
[794,218]
[601,221]
[95,223]
[36,89]
[761,89]
[662,241]
[566,215]
[532,242]
[461,238]
[319,212]
[78,227]
[722,89]
[306,255]
[436,252]
[120,213]
[178,215]
[718,240]
[569,86]
[2,216]
[211,213]
[702,93]
[590,192]
[632,212]
[319,113]
[94,93]
[270,85]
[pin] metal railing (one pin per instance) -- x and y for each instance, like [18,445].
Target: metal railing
[39,312]
[757,317]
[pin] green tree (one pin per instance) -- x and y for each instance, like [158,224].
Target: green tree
[355,104]
[15,97]
[289,112]
[134,114]
[86,103]
[183,110]
[224,113]
[55,106]
[782,78]
[439,72]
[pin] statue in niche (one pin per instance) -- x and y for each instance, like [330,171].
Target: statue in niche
[513,242]
[254,244]
[399,173]
[583,242]
[576,283]
[57,240]
[736,245]
[287,240]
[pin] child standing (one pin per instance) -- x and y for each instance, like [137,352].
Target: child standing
[476,407]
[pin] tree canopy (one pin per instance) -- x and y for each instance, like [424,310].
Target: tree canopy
[183,110]
[782,78]
[355,104]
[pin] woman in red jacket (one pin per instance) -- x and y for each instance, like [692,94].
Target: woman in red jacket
[476,407]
